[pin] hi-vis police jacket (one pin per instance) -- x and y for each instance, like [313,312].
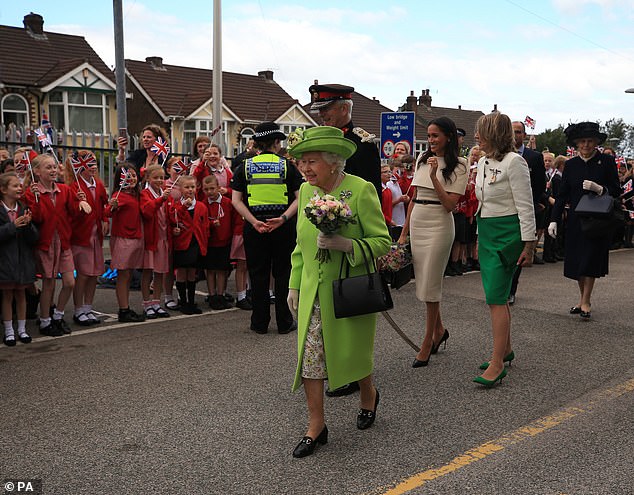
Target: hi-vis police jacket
[266,187]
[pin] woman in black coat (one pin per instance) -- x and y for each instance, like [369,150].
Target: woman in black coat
[590,171]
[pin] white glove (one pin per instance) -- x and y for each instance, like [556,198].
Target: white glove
[589,185]
[293,301]
[334,241]
[552,229]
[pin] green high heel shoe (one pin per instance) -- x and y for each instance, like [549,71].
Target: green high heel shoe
[507,359]
[490,383]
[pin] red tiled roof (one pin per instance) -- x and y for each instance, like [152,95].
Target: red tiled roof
[27,61]
[181,90]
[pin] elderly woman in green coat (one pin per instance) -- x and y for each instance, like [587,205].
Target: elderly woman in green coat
[340,350]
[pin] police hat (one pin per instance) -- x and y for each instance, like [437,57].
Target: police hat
[267,131]
[323,95]
[461,131]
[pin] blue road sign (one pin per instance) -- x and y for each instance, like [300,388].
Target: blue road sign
[396,127]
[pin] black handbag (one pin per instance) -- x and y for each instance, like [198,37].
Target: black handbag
[600,216]
[362,294]
[591,205]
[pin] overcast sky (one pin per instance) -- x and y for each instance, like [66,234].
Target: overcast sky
[558,61]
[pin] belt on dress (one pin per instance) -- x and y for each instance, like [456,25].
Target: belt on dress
[426,202]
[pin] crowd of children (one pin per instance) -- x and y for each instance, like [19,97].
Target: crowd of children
[170,221]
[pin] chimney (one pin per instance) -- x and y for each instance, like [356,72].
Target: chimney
[495,107]
[424,98]
[266,74]
[374,99]
[410,106]
[34,24]
[155,62]
[459,107]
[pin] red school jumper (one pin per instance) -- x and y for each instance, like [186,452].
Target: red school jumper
[51,218]
[230,222]
[196,224]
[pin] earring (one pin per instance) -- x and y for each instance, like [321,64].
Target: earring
[332,172]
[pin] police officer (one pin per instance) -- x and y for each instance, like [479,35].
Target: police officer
[265,189]
[333,102]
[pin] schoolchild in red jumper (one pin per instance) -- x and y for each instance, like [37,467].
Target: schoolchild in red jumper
[89,226]
[126,237]
[189,220]
[386,195]
[222,227]
[175,168]
[53,205]
[156,255]
[213,163]
[18,237]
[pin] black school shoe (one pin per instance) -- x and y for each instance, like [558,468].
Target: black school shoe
[9,342]
[62,325]
[128,316]
[51,330]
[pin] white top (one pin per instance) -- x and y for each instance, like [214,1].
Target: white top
[398,210]
[504,188]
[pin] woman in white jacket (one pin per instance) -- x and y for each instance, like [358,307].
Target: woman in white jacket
[506,230]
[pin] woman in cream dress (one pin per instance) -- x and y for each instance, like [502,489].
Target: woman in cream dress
[439,181]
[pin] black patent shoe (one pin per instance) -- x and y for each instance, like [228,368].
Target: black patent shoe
[307,446]
[62,325]
[25,338]
[9,341]
[348,389]
[365,417]
[575,310]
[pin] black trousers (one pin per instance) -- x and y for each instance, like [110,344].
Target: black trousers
[266,254]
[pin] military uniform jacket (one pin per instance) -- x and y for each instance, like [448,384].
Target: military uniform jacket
[366,161]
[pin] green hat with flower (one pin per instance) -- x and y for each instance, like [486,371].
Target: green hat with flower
[322,138]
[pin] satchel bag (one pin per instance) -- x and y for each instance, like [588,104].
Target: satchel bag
[599,216]
[361,294]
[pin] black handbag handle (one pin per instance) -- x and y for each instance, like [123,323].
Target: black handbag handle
[361,243]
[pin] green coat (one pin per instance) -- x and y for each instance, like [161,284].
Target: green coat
[348,342]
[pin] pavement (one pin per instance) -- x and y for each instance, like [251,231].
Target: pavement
[202,405]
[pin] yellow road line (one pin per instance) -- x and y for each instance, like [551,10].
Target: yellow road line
[532,429]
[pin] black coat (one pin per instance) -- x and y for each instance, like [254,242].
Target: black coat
[366,161]
[17,263]
[584,257]
[537,171]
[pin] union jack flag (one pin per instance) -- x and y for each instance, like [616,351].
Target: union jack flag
[571,152]
[627,187]
[620,161]
[78,163]
[161,148]
[125,178]
[529,122]
[43,138]
[179,167]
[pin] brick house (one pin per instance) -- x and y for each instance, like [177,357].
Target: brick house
[57,73]
[180,100]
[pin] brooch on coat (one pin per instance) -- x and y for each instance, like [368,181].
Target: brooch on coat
[494,175]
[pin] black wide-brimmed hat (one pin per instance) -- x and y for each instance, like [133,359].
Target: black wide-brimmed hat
[584,130]
[267,131]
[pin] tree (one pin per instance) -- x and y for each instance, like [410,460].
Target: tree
[620,136]
[552,139]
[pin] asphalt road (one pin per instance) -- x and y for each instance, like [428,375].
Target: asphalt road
[202,405]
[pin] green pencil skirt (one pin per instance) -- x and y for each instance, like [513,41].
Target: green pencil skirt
[499,247]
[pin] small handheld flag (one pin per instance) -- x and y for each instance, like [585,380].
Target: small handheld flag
[571,152]
[161,148]
[529,122]
[82,163]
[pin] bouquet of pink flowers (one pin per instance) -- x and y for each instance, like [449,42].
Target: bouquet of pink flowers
[396,265]
[328,214]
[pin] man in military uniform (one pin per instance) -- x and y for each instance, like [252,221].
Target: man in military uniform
[265,189]
[333,102]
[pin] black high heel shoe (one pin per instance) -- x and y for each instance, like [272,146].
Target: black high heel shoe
[307,446]
[365,417]
[417,363]
[435,347]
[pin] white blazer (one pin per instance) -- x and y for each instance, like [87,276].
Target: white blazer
[504,188]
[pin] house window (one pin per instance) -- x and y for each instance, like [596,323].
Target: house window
[195,128]
[246,134]
[15,110]
[79,111]
[420,147]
